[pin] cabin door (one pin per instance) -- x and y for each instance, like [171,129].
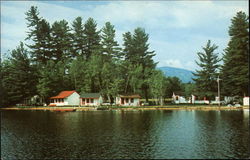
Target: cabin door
[122,100]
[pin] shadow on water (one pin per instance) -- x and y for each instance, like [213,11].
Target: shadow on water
[124,134]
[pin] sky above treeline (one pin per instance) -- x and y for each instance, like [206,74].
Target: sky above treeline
[177,29]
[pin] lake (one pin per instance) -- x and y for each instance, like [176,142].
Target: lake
[125,134]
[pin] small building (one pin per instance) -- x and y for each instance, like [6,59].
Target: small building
[65,98]
[246,101]
[128,100]
[176,99]
[91,99]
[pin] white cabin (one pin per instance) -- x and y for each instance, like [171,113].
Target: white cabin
[65,98]
[91,99]
[128,100]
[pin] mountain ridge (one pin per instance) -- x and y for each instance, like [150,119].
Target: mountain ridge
[183,74]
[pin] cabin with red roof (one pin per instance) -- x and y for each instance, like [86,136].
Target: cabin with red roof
[128,100]
[65,98]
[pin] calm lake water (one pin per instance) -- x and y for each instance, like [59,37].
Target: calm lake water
[124,134]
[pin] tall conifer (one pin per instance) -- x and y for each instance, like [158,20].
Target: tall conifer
[235,71]
[206,77]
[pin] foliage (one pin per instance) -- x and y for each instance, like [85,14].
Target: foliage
[157,85]
[173,85]
[189,89]
[80,57]
[206,77]
[18,77]
[235,71]
[60,43]
[91,37]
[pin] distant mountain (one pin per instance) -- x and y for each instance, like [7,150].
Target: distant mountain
[184,75]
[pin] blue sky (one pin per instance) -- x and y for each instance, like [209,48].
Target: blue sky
[177,29]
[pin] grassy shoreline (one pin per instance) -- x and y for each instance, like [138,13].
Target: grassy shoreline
[168,107]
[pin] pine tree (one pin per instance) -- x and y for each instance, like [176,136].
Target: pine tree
[53,79]
[235,71]
[61,41]
[18,77]
[91,38]
[173,85]
[109,44]
[78,41]
[39,34]
[78,71]
[206,77]
[136,53]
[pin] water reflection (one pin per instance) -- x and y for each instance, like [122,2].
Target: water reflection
[124,134]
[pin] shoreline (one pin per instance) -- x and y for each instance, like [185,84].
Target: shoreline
[122,108]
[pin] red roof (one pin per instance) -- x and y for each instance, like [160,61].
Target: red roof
[63,94]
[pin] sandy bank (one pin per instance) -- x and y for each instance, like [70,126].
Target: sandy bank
[132,108]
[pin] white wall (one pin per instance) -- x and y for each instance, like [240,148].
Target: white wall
[97,102]
[58,103]
[246,101]
[135,103]
[73,99]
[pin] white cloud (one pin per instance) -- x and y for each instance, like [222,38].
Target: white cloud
[190,65]
[171,63]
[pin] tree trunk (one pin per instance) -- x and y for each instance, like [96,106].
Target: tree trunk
[161,101]
[126,87]
[109,99]
[146,94]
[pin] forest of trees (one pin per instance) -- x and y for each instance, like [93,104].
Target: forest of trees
[234,72]
[78,56]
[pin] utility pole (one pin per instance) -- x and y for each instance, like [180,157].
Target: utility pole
[218,81]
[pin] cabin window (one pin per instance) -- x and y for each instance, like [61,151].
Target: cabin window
[87,100]
[92,100]
[126,100]
[83,100]
[132,100]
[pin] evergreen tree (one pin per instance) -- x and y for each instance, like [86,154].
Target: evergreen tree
[110,46]
[189,89]
[206,77]
[235,71]
[18,78]
[77,72]
[128,46]
[39,34]
[110,57]
[78,41]
[136,52]
[53,79]
[61,41]
[91,38]
[173,85]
